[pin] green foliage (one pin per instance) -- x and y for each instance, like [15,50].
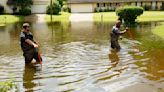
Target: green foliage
[7,86]
[129,13]
[56,8]
[25,11]
[1,9]
[61,2]
[65,8]
[23,6]
[105,9]
[23,3]
[100,10]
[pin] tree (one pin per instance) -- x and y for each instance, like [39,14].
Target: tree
[56,8]
[129,13]
[24,3]
[61,2]
[23,6]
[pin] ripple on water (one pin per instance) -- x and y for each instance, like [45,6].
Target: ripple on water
[80,67]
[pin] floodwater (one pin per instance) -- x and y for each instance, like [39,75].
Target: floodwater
[77,58]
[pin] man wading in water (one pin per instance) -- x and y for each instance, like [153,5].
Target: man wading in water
[29,45]
[115,35]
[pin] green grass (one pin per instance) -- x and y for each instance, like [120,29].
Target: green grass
[7,86]
[64,17]
[159,30]
[105,17]
[4,19]
[147,16]
[152,16]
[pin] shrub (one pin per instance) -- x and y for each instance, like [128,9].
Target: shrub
[105,10]
[1,9]
[96,10]
[100,10]
[8,86]
[69,9]
[56,8]
[23,3]
[129,13]
[25,11]
[66,8]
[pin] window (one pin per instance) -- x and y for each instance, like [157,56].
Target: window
[98,4]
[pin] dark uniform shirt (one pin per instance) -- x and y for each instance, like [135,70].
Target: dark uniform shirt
[115,34]
[114,38]
[24,45]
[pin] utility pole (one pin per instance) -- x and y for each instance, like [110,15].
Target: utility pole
[51,9]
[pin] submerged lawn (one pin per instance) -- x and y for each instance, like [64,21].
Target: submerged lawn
[4,19]
[147,16]
[159,30]
[64,17]
[152,16]
[105,16]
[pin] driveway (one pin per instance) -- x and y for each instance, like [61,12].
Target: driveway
[77,17]
[37,18]
[41,18]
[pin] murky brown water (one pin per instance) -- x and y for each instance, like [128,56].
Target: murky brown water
[77,58]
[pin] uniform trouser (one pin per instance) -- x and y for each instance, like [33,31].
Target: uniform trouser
[115,45]
[31,54]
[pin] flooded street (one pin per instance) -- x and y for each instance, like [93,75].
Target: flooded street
[77,58]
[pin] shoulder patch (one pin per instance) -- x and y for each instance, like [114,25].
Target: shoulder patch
[22,34]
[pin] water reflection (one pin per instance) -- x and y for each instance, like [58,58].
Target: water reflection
[76,57]
[28,77]
[113,57]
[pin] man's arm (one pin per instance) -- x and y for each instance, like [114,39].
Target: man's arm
[122,32]
[36,42]
[31,43]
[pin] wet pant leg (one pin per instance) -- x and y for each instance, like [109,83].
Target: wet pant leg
[28,55]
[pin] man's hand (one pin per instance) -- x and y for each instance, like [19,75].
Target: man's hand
[126,29]
[122,32]
[35,45]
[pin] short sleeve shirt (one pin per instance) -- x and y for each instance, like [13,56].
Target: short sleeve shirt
[115,30]
[24,45]
[115,33]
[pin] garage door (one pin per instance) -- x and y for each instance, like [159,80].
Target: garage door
[39,8]
[75,8]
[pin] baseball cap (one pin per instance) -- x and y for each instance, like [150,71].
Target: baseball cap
[26,25]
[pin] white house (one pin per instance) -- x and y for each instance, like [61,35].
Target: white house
[91,5]
[39,6]
[7,8]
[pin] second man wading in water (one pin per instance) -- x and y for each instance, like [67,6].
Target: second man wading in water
[115,33]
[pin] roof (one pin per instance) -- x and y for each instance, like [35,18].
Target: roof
[105,1]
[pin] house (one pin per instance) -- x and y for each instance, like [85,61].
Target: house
[39,6]
[79,6]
